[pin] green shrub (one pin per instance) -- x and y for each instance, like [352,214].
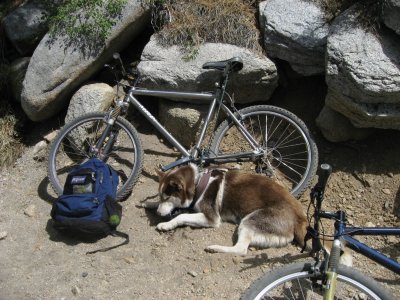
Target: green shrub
[83,20]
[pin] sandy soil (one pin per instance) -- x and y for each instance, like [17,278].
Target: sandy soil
[38,263]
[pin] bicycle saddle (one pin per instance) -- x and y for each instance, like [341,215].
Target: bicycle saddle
[236,64]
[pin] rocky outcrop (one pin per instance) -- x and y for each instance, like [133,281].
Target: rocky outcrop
[165,68]
[362,68]
[363,73]
[295,31]
[391,14]
[57,68]
[90,98]
[25,26]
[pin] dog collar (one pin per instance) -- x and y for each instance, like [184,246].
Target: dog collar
[201,185]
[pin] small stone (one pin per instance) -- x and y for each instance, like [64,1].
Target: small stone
[369,224]
[129,260]
[387,205]
[206,271]
[39,147]
[30,211]
[193,273]
[236,260]
[75,290]
[386,191]
[85,274]
[3,235]
[50,136]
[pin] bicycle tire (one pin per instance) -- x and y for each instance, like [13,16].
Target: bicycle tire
[71,147]
[298,281]
[291,155]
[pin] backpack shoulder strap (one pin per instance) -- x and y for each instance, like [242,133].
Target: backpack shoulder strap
[113,233]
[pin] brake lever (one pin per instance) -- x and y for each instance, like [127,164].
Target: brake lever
[116,56]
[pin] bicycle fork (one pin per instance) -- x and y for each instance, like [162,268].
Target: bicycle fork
[107,139]
[331,273]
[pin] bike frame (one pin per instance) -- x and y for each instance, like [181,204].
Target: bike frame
[213,99]
[345,234]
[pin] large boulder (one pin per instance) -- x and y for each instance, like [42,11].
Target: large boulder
[166,68]
[363,73]
[337,128]
[391,14]
[295,31]
[57,67]
[183,120]
[91,97]
[25,26]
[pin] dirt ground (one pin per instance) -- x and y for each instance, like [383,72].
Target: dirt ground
[38,263]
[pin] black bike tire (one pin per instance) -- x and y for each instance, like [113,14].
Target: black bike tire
[127,187]
[299,270]
[312,169]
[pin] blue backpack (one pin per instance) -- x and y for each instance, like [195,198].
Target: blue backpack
[87,208]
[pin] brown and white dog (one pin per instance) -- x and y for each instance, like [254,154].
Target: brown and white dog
[267,214]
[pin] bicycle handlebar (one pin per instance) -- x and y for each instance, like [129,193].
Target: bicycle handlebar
[326,171]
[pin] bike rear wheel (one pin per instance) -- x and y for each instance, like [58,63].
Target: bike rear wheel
[290,153]
[299,281]
[74,142]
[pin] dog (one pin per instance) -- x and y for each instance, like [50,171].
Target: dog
[267,214]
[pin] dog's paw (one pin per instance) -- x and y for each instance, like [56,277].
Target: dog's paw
[165,226]
[225,249]
[213,249]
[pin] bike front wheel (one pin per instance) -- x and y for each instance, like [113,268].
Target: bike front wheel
[290,155]
[75,142]
[299,281]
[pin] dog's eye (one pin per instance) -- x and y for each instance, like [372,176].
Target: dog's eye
[170,190]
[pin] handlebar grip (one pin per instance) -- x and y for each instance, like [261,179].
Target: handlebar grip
[325,172]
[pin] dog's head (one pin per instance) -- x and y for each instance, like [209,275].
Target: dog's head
[176,189]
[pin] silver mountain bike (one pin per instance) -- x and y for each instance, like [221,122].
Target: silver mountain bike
[261,138]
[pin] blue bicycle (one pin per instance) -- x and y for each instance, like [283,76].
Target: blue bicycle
[324,277]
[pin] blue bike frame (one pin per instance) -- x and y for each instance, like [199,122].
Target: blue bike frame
[346,233]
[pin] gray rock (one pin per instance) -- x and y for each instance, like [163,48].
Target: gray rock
[183,120]
[295,31]
[57,68]
[90,98]
[363,73]
[17,74]
[30,210]
[25,26]
[337,128]
[3,235]
[391,14]
[165,68]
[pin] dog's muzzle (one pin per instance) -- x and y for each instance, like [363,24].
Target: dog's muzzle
[165,208]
